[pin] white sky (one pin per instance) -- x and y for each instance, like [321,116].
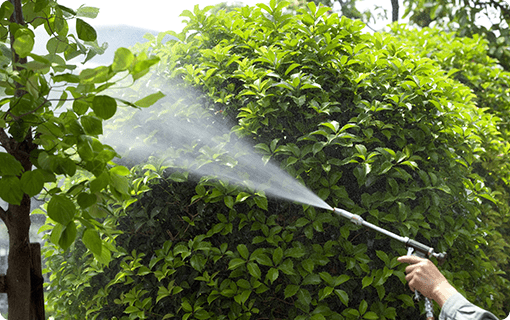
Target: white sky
[160,15]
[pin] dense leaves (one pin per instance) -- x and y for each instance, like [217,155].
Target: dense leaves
[50,118]
[469,18]
[370,122]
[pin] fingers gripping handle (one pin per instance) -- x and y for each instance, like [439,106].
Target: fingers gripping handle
[424,251]
[429,309]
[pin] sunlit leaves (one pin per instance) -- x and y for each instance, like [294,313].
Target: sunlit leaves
[64,235]
[87,12]
[141,66]
[122,60]
[24,42]
[96,75]
[149,100]
[6,10]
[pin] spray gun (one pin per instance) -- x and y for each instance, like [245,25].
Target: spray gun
[413,248]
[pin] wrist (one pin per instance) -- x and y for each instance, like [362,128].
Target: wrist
[442,292]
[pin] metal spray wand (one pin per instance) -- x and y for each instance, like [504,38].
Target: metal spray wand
[413,248]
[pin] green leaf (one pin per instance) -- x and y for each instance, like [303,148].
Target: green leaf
[254,270]
[97,212]
[277,256]
[287,267]
[32,182]
[242,196]
[99,183]
[56,233]
[24,42]
[150,100]
[235,263]
[261,202]
[10,166]
[122,60]
[86,200]
[131,309]
[325,292]
[290,290]
[363,307]
[243,251]
[262,258]
[301,222]
[304,296]
[61,209]
[120,183]
[120,170]
[229,201]
[67,236]
[178,176]
[85,31]
[370,315]
[312,278]
[408,301]
[367,280]
[10,190]
[142,66]
[64,166]
[308,265]
[343,296]
[92,125]
[272,274]
[383,256]
[92,241]
[96,75]
[295,252]
[56,45]
[104,106]
[87,12]
[80,107]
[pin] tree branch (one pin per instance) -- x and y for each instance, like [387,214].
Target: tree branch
[3,215]
[5,141]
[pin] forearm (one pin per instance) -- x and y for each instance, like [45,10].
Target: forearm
[443,291]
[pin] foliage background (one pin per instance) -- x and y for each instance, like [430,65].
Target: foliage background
[402,131]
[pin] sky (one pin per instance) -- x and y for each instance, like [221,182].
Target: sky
[157,15]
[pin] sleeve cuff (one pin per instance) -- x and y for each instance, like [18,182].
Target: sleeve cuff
[454,303]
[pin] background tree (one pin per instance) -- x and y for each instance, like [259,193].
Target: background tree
[347,7]
[384,125]
[43,140]
[489,19]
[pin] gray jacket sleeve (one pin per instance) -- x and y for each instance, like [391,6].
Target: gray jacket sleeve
[459,308]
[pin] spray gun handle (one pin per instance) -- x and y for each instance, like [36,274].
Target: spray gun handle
[424,251]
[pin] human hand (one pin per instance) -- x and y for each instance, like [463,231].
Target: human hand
[424,276]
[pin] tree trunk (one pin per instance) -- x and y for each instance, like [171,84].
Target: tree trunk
[17,217]
[18,272]
[395,7]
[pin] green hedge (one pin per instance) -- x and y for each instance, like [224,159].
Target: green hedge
[366,121]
